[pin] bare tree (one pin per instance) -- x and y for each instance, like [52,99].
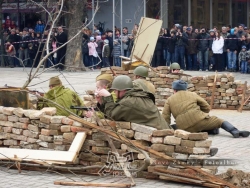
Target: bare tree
[77,13]
[73,55]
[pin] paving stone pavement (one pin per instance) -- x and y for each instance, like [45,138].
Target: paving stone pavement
[229,147]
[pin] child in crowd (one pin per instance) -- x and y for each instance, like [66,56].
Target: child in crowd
[117,53]
[92,52]
[243,58]
[105,53]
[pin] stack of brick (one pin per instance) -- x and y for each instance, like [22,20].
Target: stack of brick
[43,130]
[227,93]
[34,129]
[181,145]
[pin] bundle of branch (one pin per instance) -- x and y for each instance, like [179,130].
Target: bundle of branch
[172,175]
[207,178]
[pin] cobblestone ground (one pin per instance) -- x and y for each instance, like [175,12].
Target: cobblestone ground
[229,147]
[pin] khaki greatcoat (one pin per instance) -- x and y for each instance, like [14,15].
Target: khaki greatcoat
[191,112]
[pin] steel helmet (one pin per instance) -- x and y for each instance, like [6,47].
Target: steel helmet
[122,82]
[174,66]
[141,71]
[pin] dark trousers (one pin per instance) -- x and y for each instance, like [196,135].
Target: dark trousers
[61,56]
[156,61]
[218,62]
[192,62]
[179,55]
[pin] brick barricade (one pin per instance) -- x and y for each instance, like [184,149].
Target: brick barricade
[227,94]
[43,130]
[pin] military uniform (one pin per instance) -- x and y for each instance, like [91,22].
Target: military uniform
[144,85]
[135,106]
[141,73]
[64,97]
[191,112]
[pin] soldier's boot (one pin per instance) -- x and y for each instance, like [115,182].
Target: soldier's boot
[213,131]
[233,130]
[213,151]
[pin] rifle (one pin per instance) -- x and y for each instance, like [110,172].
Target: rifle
[83,108]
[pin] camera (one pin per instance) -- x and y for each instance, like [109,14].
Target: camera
[203,30]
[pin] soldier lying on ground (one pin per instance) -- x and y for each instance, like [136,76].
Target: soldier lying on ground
[133,105]
[62,96]
[191,113]
[140,81]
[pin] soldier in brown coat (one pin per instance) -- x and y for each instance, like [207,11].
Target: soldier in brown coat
[191,112]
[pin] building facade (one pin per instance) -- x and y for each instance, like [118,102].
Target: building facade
[198,13]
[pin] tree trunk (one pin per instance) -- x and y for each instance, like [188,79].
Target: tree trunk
[75,18]
[1,30]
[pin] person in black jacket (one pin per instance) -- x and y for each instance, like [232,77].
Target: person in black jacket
[232,47]
[61,38]
[156,61]
[14,39]
[180,45]
[23,48]
[166,38]
[203,48]
[109,37]
[171,48]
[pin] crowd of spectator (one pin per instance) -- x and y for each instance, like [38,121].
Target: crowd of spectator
[204,49]
[26,47]
[104,49]
[194,49]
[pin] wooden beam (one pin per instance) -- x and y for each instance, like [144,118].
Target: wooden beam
[242,103]
[78,142]
[91,184]
[213,90]
[121,138]
[43,155]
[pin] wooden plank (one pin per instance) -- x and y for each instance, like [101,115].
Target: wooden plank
[121,138]
[78,142]
[243,97]
[23,154]
[43,155]
[147,27]
[213,90]
[91,184]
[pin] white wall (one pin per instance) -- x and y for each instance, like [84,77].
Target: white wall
[132,9]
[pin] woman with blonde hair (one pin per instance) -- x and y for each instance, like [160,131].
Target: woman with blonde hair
[217,48]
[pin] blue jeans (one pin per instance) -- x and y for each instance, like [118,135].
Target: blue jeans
[117,61]
[170,58]
[231,56]
[179,55]
[192,62]
[203,58]
[243,66]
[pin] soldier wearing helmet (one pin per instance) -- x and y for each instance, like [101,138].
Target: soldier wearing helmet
[175,68]
[133,105]
[140,81]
